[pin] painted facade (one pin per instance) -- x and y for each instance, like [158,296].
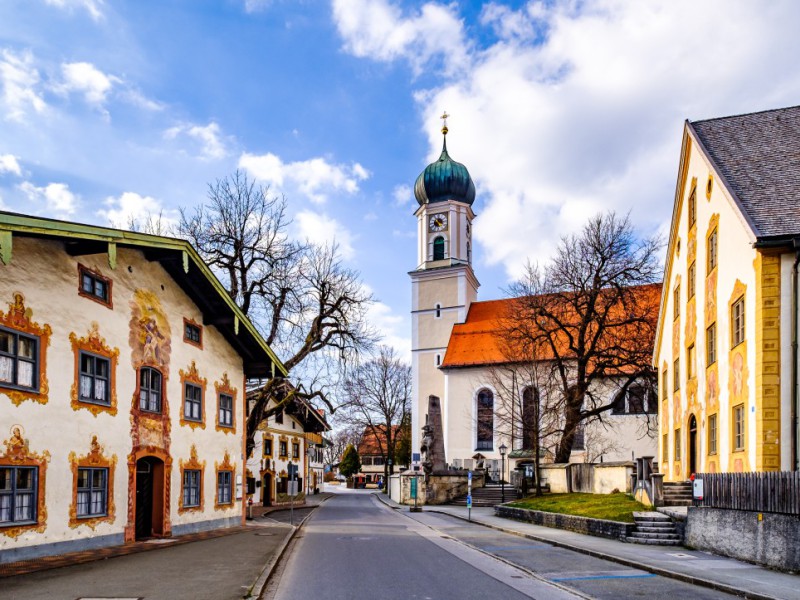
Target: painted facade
[291,437]
[724,345]
[102,394]
[444,292]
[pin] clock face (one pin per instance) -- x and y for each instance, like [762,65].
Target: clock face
[438,222]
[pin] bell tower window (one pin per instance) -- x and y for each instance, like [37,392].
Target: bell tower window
[438,248]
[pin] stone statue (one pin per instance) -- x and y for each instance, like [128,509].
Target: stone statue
[426,446]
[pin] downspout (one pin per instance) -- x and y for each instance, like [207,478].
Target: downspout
[794,394]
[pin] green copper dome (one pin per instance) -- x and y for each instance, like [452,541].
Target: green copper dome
[444,180]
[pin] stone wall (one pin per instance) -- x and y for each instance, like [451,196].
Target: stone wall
[440,488]
[764,538]
[596,527]
[607,477]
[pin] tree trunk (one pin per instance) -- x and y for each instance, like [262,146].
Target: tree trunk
[571,422]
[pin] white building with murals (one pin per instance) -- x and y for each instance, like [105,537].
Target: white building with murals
[122,369]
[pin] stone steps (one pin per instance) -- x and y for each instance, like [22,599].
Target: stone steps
[677,493]
[491,495]
[655,529]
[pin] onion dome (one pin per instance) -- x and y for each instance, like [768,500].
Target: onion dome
[444,179]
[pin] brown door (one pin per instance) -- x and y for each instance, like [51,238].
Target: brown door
[266,491]
[692,445]
[149,497]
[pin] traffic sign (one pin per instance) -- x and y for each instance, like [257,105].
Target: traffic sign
[469,476]
[469,501]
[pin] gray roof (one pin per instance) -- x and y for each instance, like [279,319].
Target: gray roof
[758,155]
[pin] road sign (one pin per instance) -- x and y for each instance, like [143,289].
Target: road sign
[413,487]
[415,457]
[469,501]
[469,476]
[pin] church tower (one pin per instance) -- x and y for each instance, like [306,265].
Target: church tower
[443,284]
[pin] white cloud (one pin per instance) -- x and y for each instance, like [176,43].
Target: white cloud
[93,7]
[403,195]
[579,107]
[54,199]
[212,145]
[322,229]
[314,178]
[392,327]
[252,6]
[20,85]
[131,207]
[86,79]
[377,29]
[9,164]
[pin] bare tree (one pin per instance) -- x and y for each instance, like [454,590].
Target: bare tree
[590,317]
[308,306]
[339,440]
[378,399]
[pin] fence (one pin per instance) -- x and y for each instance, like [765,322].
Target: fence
[774,492]
[581,477]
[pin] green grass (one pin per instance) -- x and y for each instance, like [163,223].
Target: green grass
[613,507]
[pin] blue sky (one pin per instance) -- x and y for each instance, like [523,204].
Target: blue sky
[559,109]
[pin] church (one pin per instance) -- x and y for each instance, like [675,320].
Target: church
[456,355]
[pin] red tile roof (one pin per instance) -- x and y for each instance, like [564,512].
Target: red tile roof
[481,339]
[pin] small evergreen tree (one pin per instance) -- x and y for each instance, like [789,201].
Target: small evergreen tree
[351,462]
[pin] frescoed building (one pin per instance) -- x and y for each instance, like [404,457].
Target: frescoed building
[726,347]
[122,369]
[293,436]
[455,347]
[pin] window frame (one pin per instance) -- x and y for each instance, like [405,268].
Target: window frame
[691,285]
[665,448]
[199,487]
[711,344]
[692,209]
[13,493]
[222,474]
[482,441]
[713,434]
[439,243]
[189,402]
[190,323]
[678,444]
[738,333]
[89,490]
[283,449]
[94,377]
[14,356]
[151,390]
[676,375]
[267,441]
[96,277]
[295,450]
[738,429]
[676,302]
[221,410]
[712,258]
[691,358]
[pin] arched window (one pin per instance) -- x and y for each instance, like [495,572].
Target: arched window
[438,248]
[469,253]
[530,416]
[438,311]
[485,420]
[149,390]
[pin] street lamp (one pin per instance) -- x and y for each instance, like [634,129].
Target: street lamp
[503,449]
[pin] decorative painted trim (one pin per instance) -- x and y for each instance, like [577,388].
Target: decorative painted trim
[192,376]
[93,343]
[18,318]
[265,438]
[225,465]
[709,186]
[738,389]
[224,387]
[191,465]
[133,458]
[193,323]
[18,454]
[94,459]
[107,280]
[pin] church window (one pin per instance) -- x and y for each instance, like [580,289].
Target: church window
[438,248]
[485,420]
[530,416]
[438,311]
[469,253]
[438,359]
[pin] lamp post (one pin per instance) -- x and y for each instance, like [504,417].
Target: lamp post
[503,449]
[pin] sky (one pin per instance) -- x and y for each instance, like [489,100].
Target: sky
[111,110]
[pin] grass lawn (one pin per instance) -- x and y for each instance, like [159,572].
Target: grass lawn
[613,507]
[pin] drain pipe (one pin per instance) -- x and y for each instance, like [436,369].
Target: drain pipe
[794,395]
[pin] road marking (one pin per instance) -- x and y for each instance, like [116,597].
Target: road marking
[591,577]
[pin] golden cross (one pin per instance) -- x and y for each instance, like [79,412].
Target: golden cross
[444,122]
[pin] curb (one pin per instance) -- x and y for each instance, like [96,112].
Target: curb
[698,581]
[260,583]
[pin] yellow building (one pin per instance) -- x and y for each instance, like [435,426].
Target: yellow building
[728,319]
[122,370]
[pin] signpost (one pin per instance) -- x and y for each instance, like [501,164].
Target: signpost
[414,489]
[469,496]
[292,490]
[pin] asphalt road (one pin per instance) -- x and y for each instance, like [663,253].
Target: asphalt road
[353,546]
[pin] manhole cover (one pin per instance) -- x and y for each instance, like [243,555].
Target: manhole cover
[680,555]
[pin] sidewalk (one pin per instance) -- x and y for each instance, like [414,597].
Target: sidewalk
[698,568]
[310,502]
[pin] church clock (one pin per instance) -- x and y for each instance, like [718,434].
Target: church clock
[438,222]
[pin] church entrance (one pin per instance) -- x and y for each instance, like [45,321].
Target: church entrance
[692,445]
[149,497]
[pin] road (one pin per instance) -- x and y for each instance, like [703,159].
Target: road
[355,547]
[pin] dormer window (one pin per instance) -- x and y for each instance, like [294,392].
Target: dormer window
[438,248]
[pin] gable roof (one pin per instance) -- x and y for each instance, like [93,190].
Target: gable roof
[369,441]
[758,155]
[479,341]
[177,257]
